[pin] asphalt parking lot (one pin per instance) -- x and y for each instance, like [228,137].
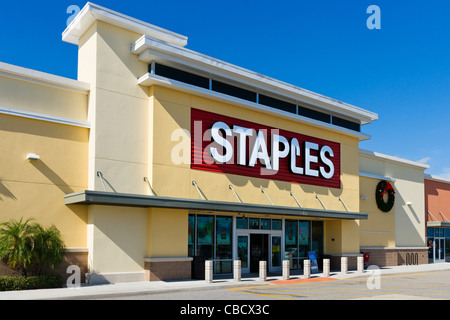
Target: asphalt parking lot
[421,286]
[429,281]
[433,285]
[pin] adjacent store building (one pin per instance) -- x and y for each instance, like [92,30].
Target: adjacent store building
[437,206]
[159,157]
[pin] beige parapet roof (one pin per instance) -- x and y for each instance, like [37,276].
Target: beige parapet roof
[156,41]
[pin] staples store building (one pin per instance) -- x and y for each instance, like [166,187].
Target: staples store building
[159,156]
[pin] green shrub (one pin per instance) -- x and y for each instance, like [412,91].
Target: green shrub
[30,248]
[49,281]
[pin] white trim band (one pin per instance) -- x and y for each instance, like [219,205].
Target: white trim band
[168,259]
[43,117]
[393,248]
[82,250]
[375,176]
[436,178]
[92,12]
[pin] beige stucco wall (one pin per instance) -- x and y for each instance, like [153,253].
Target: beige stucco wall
[117,239]
[404,225]
[118,109]
[36,189]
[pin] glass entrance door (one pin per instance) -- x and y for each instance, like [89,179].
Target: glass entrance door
[243,251]
[259,250]
[439,249]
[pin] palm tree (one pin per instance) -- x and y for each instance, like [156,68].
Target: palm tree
[49,248]
[16,244]
[29,248]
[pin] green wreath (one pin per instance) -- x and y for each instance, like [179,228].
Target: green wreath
[384,187]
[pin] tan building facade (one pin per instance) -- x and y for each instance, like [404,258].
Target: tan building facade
[158,158]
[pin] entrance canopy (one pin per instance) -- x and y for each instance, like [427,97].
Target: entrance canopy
[89,197]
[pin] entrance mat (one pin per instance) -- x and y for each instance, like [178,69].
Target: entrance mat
[293,281]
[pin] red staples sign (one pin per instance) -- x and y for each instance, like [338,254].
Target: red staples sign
[234,146]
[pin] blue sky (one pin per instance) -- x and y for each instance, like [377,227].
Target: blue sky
[401,71]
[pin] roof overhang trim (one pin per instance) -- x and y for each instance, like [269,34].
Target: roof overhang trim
[89,197]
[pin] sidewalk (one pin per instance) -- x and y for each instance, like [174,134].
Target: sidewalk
[135,288]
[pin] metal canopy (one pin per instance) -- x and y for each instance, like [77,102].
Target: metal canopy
[89,197]
[438,224]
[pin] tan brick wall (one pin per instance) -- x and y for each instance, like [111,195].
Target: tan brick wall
[382,257]
[79,259]
[408,257]
[167,270]
[396,257]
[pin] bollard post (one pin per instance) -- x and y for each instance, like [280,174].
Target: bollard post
[326,267]
[307,269]
[237,270]
[209,271]
[262,270]
[286,270]
[360,264]
[344,265]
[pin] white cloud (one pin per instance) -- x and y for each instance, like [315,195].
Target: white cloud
[424,160]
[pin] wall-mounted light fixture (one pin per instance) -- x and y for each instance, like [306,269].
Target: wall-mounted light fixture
[409,203]
[33,156]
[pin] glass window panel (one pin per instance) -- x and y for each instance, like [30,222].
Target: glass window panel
[447,232]
[293,264]
[447,250]
[303,251]
[276,224]
[224,241]
[276,251]
[441,232]
[290,238]
[303,233]
[303,238]
[191,235]
[205,236]
[430,242]
[278,104]
[233,91]
[265,224]
[191,229]
[313,114]
[430,232]
[436,249]
[181,75]
[223,230]
[352,125]
[243,251]
[221,267]
[242,223]
[317,238]
[436,232]
[253,223]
